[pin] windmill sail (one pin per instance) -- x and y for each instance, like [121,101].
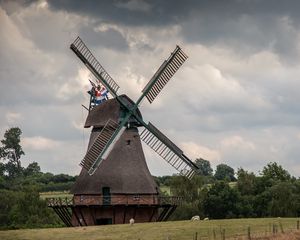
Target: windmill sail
[164,147]
[102,146]
[164,74]
[85,55]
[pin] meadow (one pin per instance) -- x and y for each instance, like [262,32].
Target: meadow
[172,230]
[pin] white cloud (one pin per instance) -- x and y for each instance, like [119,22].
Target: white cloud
[194,151]
[72,87]
[13,117]
[39,143]
[237,143]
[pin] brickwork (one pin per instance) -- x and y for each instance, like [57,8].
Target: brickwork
[94,215]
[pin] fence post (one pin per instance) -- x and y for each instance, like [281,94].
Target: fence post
[281,227]
[214,234]
[249,233]
[196,236]
[297,224]
[223,234]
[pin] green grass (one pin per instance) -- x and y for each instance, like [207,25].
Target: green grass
[44,195]
[178,230]
[165,189]
[64,194]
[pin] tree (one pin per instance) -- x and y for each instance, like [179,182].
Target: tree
[32,169]
[204,167]
[224,172]
[284,202]
[245,182]
[261,204]
[275,172]
[12,151]
[189,190]
[28,210]
[12,141]
[221,201]
[183,187]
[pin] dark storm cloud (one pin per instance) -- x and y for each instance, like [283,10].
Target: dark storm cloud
[165,12]
[109,39]
[249,26]
[121,12]
[233,94]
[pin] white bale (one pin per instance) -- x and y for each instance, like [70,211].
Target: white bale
[195,218]
[131,221]
[206,219]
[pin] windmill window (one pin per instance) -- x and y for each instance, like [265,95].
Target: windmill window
[81,198]
[136,197]
[128,142]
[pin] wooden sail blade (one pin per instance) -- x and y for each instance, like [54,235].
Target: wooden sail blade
[102,146]
[85,55]
[164,147]
[164,74]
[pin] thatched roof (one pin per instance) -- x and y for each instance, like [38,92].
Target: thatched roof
[110,109]
[125,170]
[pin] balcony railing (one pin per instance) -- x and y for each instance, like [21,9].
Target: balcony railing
[78,200]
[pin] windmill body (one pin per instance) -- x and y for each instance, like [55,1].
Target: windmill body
[122,187]
[115,184]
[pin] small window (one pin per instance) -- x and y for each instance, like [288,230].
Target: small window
[136,197]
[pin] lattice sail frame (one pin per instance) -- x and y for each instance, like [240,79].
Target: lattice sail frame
[102,146]
[82,51]
[165,148]
[164,74]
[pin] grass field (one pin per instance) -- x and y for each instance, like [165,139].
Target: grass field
[64,194]
[177,230]
[44,195]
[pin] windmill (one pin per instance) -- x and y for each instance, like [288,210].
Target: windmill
[115,184]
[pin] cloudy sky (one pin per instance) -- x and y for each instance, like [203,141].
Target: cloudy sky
[234,101]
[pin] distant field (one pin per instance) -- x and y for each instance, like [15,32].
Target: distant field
[165,189]
[64,194]
[177,230]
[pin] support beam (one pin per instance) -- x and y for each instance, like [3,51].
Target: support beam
[76,216]
[171,210]
[153,212]
[125,211]
[82,217]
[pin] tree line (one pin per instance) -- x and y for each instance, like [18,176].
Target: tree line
[218,194]
[226,194]
[20,187]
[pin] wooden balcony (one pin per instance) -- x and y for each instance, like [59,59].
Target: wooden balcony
[86,200]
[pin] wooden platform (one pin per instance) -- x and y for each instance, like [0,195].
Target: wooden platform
[115,211]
